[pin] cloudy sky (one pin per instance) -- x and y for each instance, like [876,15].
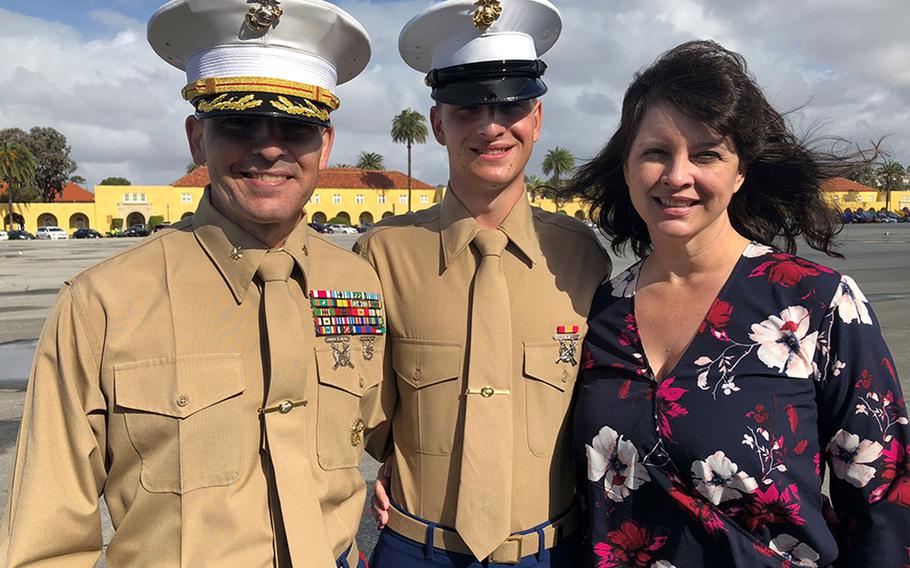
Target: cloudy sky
[84,67]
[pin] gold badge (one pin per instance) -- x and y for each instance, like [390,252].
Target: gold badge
[341,351]
[237,253]
[367,346]
[265,16]
[357,432]
[487,12]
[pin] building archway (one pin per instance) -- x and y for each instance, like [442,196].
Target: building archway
[319,217]
[18,221]
[344,215]
[135,218]
[185,215]
[79,221]
[366,218]
[387,214]
[580,215]
[47,220]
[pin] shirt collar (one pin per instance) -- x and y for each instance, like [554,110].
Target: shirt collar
[237,254]
[458,228]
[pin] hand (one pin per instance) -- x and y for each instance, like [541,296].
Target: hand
[380,501]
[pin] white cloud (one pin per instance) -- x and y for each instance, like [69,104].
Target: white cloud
[840,62]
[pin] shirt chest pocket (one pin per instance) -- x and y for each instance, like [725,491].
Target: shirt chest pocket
[344,375]
[432,390]
[181,415]
[549,383]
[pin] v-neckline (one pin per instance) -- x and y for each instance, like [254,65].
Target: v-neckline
[685,352]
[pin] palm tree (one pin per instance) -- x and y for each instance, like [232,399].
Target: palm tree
[342,165]
[558,161]
[17,169]
[533,185]
[409,127]
[370,161]
[891,177]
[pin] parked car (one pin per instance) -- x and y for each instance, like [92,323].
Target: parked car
[86,234]
[51,234]
[345,229]
[4,236]
[320,228]
[160,227]
[363,227]
[137,231]
[21,236]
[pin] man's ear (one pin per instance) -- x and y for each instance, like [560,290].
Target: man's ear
[195,130]
[328,138]
[538,119]
[436,124]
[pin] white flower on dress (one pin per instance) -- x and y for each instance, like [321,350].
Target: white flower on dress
[798,553]
[849,456]
[784,343]
[625,284]
[663,564]
[616,461]
[756,250]
[719,479]
[850,302]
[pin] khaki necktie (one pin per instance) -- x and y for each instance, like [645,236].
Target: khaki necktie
[484,493]
[284,418]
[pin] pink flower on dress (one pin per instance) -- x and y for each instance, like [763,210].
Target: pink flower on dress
[615,460]
[717,319]
[787,270]
[784,344]
[771,507]
[629,546]
[667,407]
[849,457]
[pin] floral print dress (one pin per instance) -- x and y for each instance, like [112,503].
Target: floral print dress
[721,462]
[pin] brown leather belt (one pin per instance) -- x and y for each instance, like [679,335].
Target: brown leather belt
[511,551]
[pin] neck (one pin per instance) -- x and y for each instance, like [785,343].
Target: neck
[489,208]
[712,251]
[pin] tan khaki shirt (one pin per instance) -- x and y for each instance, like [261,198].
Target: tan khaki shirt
[145,387]
[426,264]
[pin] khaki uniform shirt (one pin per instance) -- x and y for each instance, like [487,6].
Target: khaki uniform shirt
[426,264]
[146,386]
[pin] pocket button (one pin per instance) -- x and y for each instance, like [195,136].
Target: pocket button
[182,401]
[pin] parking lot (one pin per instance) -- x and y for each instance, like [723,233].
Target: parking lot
[31,273]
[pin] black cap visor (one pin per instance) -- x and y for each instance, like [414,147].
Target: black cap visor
[488,82]
[270,105]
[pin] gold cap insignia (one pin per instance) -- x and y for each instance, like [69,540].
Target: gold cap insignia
[265,16]
[487,12]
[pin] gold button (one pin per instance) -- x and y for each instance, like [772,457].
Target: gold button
[487,392]
[417,375]
[306,251]
[182,401]
[285,406]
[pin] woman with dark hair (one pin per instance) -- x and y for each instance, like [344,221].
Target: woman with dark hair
[723,376]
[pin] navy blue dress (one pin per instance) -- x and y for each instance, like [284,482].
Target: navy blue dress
[721,462]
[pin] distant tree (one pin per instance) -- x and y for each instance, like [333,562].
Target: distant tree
[78,180]
[865,175]
[155,220]
[370,161]
[891,177]
[409,127]
[191,167]
[558,161]
[342,165]
[17,170]
[115,181]
[533,185]
[53,165]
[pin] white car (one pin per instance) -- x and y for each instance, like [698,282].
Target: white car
[345,229]
[51,233]
[4,236]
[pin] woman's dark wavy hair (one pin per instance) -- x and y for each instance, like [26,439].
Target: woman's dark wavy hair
[781,196]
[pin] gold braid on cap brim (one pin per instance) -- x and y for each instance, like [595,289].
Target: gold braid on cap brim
[215,86]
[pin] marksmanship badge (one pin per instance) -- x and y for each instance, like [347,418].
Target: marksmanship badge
[265,16]
[568,337]
[341,351]
[366,343]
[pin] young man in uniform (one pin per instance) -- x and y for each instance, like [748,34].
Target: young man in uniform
[486,301]
[209,382]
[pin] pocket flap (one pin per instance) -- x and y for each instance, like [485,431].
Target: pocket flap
[353,380]
[178,386]
[425,363]
[541,364]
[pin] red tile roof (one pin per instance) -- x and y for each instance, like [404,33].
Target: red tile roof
[73,193]
[844,184]
[331,178]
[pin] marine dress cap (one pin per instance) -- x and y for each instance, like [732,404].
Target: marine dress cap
[276,58]
[482,51]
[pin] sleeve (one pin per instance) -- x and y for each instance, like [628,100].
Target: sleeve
[864,434]
[53,516]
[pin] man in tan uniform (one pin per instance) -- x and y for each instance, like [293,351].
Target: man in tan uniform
[486,300]
[210,381]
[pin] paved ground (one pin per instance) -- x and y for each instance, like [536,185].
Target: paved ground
[31,272]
